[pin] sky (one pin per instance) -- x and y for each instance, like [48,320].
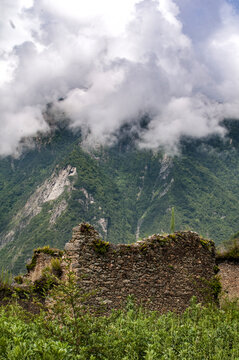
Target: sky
[114,62]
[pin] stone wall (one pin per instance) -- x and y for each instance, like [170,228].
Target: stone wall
[161,273]
[229,276]
[42,259]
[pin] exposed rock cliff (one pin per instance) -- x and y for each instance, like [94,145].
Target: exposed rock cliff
[50,190]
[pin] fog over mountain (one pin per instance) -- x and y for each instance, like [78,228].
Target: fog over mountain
[113,62]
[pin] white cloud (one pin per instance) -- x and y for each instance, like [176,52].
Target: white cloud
[115,61]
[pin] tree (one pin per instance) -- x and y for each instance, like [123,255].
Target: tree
[172,224]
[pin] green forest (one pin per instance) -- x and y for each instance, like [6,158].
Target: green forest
[131,191]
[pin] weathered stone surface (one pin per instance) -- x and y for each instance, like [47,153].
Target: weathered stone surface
[43,261]
[161,273]
[70,247]
[229,275]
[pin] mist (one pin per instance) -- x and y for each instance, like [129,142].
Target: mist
[111,63]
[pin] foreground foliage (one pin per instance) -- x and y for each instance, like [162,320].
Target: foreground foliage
[199,333]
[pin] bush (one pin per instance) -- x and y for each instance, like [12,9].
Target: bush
[18,279]
[69,330]
[5,278]
[100,246]
[197,334]
[56,267]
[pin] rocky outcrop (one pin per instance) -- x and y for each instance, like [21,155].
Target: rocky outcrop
[50,190]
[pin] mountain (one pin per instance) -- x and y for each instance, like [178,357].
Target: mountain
[125,192]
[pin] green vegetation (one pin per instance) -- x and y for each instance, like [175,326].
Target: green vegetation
[100,246]
[31,266]
[18,279]
[5,278]
[56,267]
[207,243]
[229,254]
[229,250]
[47,250]
[143,247]
[70,329]
[172,223]
[197,334]
[43,250]
[122,191]
[216,287]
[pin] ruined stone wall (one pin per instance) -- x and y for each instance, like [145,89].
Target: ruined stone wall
[229,276]
[42,259]
[161,273]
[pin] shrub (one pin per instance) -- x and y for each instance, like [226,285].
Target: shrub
[231,253]
[18,279]
[56,267]
[100,246]
[216,286]
[5,278]
[172,223]
[67,308]
[198,333]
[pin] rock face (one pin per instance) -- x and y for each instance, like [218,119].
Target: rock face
[50,190]
[161,273]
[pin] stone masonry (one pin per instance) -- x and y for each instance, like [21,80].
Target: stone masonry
[229,276]
[161,272]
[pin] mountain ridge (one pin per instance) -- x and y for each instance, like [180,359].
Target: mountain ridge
[126,193]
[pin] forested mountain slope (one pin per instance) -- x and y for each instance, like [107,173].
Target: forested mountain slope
[126,193]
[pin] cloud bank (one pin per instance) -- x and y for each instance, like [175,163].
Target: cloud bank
[114,62]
